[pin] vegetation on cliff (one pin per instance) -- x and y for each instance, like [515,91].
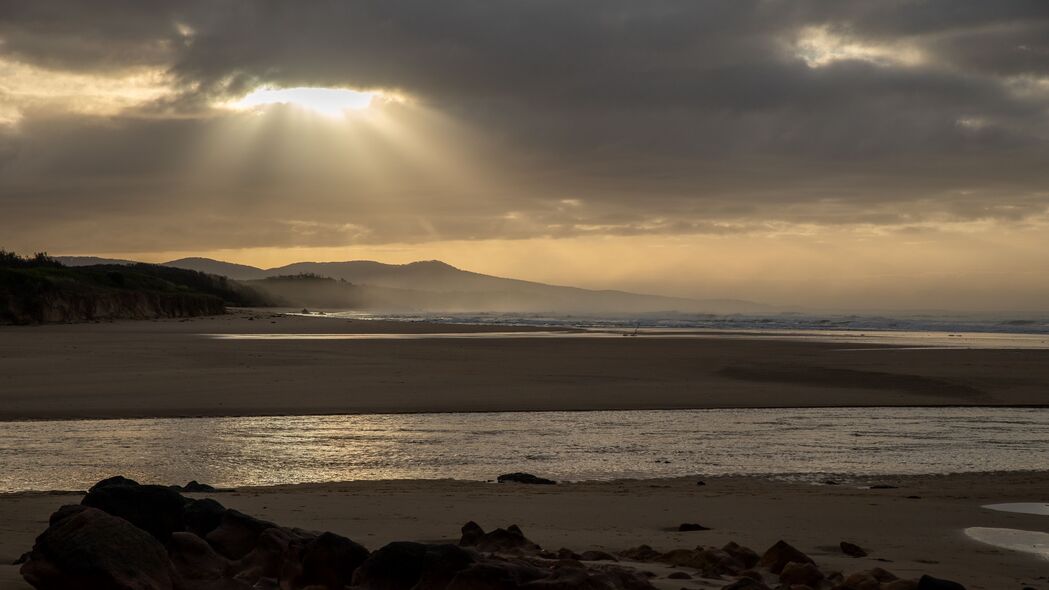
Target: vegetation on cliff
[39,289]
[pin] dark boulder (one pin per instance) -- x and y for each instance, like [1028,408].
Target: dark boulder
[931,583]
[745,555]
[93,550]
[524,478]
[328,561]
[158,510]
[194,559]
[202,516]
[405,565]
[640,553]
[116,480]
[687,527]
[508,540]
[779,555]
[801,574]
[237,534]
[597,556]
[746,584]
[852,550]
[195,487]
[271,554]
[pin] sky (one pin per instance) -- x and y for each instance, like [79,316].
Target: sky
[889,154]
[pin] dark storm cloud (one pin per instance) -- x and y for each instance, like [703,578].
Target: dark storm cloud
[661,116]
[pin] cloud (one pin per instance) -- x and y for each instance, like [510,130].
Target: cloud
[663,117]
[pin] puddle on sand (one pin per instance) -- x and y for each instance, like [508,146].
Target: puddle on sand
[1021,508]
[1035,542]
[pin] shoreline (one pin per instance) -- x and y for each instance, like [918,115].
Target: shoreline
[841,481]
[62,418]
[914,528]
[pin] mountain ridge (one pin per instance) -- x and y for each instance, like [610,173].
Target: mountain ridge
[448,287]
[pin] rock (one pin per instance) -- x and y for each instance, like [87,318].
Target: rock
[640,553]
[712,562]
[91,549]
[691,526]
[869,580]
[744,555]
[900,585]
[780,554]
[116,480]
[328,561]
[195,487]
[806,574]
[524,478]
[194,559]
[272,552]
[65,512]
[496,576]
[701,483]
[931,583]
[883,486]
[202,516]
[746,584]
[852,550]
[508,540]
[679,576]
[155,509]
[21,558]
[597,556]
[237,534]
[404,565]
[565,553]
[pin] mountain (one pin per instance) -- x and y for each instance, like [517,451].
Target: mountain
[90,261]
[239,272]
[436,286]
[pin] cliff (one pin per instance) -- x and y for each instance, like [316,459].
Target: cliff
[40,290]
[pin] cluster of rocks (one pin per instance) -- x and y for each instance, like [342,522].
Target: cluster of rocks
[781,567]
[127,536]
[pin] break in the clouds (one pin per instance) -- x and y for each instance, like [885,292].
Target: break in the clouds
[123,125]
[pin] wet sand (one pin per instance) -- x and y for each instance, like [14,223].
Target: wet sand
[905,535]
[169,368]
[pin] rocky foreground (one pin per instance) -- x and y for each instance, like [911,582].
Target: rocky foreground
[128,536]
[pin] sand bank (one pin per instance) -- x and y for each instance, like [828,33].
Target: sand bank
[168,368]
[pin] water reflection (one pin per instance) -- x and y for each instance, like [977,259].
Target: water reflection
[563,445]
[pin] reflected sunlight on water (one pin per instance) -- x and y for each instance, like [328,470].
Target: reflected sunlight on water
[566,445]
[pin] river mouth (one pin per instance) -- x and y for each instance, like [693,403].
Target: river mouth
[813,443]
[1034,542]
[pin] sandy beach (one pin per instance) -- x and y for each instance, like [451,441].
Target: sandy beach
[912,529]
[170,368]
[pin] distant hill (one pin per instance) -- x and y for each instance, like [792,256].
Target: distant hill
[41,290]
[437,286]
